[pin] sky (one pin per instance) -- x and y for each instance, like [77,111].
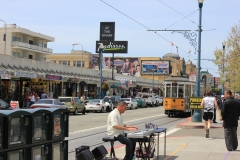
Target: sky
[78,21]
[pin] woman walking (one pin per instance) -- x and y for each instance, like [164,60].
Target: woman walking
[208,103]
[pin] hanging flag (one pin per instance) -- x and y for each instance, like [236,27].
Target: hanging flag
[172,44]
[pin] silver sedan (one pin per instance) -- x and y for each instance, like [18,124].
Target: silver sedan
[48,103]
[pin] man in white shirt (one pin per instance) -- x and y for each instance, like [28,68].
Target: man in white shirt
[116,127]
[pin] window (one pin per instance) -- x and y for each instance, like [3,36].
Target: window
[69,63]
[43,58]
[30,56]
[74,63]
[82,64]
[78,63]
[30,42]
[15,38]
[54,61]
[64,62]
[15,54]
[60,62]
[40,44]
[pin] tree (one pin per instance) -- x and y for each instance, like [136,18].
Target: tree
[232,59]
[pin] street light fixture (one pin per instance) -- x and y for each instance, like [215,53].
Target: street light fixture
[100,50]
[82,51]
[197,116]
[223,79]
[4,37]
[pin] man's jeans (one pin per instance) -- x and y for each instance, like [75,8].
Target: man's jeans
[130,146]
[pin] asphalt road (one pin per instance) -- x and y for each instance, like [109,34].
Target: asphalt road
[89,129]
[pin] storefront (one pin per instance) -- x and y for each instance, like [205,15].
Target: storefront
[6,91]
[92,88]
[73,87]
[54,85]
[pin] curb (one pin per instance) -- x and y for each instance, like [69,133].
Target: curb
[193,126]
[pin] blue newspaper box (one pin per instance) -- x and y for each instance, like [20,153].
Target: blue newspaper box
[16,124]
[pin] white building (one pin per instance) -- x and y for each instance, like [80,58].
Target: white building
[23,43]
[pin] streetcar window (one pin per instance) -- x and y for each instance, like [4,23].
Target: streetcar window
[174,90]
[168,90]
[180,91]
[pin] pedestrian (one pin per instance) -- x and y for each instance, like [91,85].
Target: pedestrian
[214,112]
[116,127]
[32,99]
[44,95]
[208,103]
[220,104]
[230,113]
[27,100]
[82,98]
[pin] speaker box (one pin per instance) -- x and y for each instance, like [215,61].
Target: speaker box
[85,155]
[99,152]
[80,149]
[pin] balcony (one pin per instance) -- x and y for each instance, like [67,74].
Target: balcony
[26,46]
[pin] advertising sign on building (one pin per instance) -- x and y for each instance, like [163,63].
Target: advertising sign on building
[107,31]
[113,46]
[53,77]
[2,72]
[5,76]
[25,74]
[192,77]
[158,67]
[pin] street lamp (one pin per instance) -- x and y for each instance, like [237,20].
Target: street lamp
[82,51]
[223,79]
[197,116]
[100,50]
[4,37]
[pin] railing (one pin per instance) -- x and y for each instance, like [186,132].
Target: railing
[29,46]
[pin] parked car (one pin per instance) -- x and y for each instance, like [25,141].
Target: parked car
[113,100]
[131,102]
[150,99]
[98,105]
[4,105]
[74,104]
[48,103]
[141,102]
[159,100]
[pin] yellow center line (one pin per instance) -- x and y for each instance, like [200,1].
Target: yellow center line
[175,151]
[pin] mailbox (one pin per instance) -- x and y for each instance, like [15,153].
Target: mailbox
[40,125]
[59,120]
[16,124]
[59,150]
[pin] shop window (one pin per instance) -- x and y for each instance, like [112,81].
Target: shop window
[54,61]
[69,63]
[30,42]
[30,56]
[60,62]
[83,64]
[78,63]
[74,63]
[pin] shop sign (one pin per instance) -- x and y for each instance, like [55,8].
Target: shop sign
[53,77]
[5,76]
[74,80]
[107,30]
[155,67]
[192,77]
[25,74]
[2,72]
[113,46]
[123,79]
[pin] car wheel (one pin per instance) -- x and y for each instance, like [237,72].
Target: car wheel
[131,106]
[84,111]
[87,111]
[142,106]
[109,109]
[76,112]
[102,110]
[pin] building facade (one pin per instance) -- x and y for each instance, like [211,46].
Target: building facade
[23,43]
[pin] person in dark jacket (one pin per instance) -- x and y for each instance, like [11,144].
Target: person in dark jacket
[220,104]
[230,113]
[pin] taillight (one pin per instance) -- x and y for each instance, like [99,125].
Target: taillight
[85,104]
[32,107]
[72,102]
[98,104]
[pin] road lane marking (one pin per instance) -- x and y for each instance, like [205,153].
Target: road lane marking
[100,127]
[175,151]
[170,132]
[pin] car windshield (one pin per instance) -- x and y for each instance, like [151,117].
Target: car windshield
[94,101]
[145,96]
[65,99]
[126,99]
[106,99]
[44,101]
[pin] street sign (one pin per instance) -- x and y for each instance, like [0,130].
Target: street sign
[113,46]
[195,103]
[107,31]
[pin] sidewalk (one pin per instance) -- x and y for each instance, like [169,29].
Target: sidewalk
[189,143]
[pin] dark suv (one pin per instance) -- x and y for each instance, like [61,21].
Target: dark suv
[113,100]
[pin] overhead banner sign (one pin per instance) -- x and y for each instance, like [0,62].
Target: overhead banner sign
[25,74]
[5,76]
[113,46]
[2,72]
[156,67]
[53,77]
[107,31]
[192,77]
[195,103]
